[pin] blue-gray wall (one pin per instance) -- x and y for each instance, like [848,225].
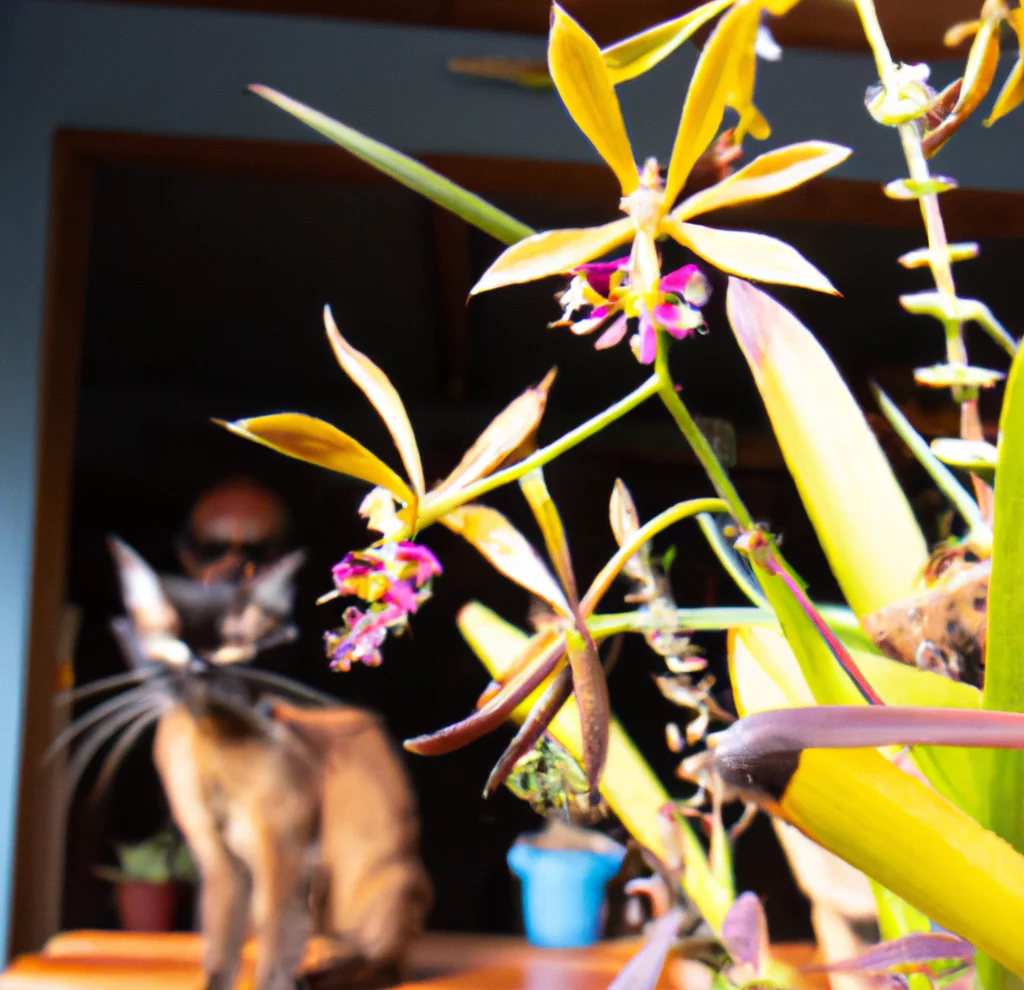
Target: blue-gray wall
[176,71]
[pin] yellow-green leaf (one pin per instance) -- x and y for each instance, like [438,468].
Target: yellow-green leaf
[754,256]
[862,518]
[507,550]
[377,387]
[507,432]
[768,175]
[706,96]
[316,442]
[1003,796]
[579,73]
[630,787]
[553,252]
[914,842]
[637,54]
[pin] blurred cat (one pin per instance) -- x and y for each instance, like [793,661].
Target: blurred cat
[300,819]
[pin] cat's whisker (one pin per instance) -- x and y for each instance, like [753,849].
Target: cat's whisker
[99,737]
[282,683]
[129,737]
[104,684]
[91,717]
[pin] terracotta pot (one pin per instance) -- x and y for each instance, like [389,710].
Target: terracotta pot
[147,907]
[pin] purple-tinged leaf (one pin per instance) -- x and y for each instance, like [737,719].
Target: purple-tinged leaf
[745,932]
[909,952]
[547,650]
[644,969]
[533,727]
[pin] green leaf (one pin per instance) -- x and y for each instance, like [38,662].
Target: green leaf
[1004,664]
[409,172]
[926,456]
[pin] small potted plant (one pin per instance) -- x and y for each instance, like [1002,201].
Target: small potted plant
[149,880]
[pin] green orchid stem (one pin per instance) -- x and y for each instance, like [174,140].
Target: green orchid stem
[434,510]
[717,619]
[695,437]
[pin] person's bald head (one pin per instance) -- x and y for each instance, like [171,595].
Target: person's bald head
[234,527]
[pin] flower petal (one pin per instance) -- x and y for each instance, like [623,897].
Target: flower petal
[507,550]
[316,442]
[754,256]
[511,428]
[679,320]
[578,70]
[377,387]
[705,99]
[768,175]
[535,490]
[615,332]
[645,342]
[1012,94]
[552,253]
[635,55]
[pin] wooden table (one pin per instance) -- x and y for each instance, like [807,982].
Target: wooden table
[123,961]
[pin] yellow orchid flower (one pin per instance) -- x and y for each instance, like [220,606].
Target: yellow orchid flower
[583,83]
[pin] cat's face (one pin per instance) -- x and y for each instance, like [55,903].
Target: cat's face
[175,621]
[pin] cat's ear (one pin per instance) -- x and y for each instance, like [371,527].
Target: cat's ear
[273,591]
[154,621]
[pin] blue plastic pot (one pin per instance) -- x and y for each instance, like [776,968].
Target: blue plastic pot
[563,892]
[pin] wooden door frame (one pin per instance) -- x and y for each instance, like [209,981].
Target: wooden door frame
[76,156]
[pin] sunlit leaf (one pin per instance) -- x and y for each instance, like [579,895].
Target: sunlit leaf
[637,54]
[409,172]
[550,522]
[309,439]
[767,175]
[754,256]
[506,433]
[705,98]
[631,788]
[507,550]
[858,510]
[553,252]
[377,387]
[578,70]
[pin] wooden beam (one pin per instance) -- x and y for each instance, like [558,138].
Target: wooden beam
[914,28]
[38,870]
